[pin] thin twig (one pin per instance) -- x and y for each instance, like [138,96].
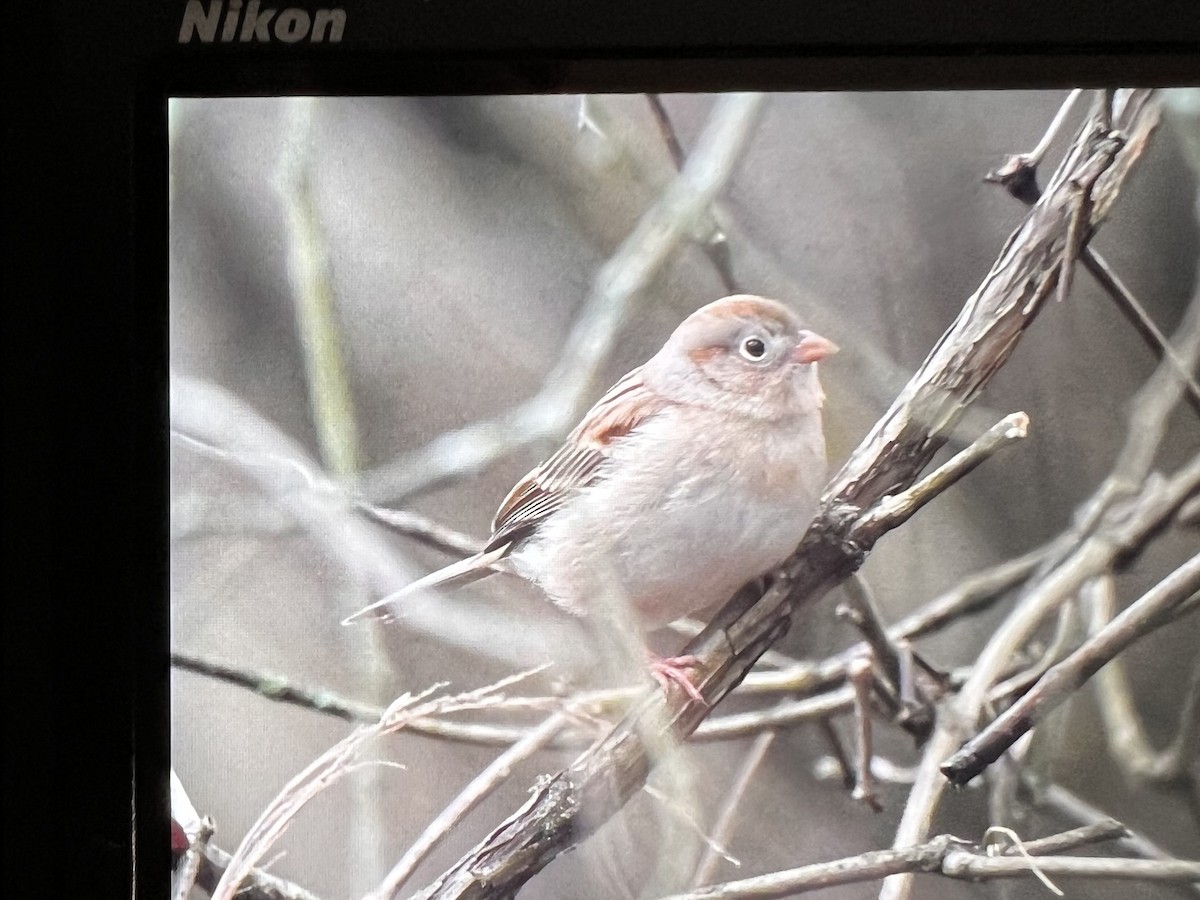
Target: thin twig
[422,528]
[470,797]
[205,416]
[1071,806]
[894,510]
[1106,829]
[1118,533]
[861,610]
[975,867]
[930,857]
[1060,681]
[1018,176]
[257,885]
[1137,316]
[722,829]
[861,679]
[334,764]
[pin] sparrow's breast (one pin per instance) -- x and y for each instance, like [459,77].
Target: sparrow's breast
[685,512]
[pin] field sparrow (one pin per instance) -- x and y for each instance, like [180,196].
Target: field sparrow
[697,472]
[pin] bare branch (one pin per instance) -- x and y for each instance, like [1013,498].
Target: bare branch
[422,528]
[207,417]
[722,829]
[1019,177]
[1137,316]
[1071,806]
[975,867]
[942,855]
[894,510]
[1127,742]
[1061,680]
[711,239]
[257,885]
[1119,532]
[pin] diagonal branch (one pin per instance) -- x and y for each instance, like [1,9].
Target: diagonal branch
[1061,680]
[566,808]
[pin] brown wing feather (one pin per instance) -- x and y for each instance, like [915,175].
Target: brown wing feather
[575,464]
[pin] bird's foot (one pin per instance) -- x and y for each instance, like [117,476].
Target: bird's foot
[677,669]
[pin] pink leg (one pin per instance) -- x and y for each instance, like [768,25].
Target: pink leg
[677,669]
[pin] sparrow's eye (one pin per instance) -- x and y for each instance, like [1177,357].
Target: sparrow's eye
[753,349]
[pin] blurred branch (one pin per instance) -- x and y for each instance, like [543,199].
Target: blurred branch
[569,385]
[334,764]
[709,235]
[722,828]
[943,855]
[207,417]
[422,529]
[257,885]
[566,808]
[316,314]
[1146,614]
[1127,742]
[470,797]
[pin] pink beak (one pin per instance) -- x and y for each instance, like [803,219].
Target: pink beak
[813,348]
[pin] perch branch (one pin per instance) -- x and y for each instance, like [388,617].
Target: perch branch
[564,809]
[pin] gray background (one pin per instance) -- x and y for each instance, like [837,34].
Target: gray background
[462,236]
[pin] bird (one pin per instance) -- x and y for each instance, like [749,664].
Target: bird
[697,472]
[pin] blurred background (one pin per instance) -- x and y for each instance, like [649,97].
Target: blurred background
[353,279]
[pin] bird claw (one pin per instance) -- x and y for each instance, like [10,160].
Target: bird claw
[676,669]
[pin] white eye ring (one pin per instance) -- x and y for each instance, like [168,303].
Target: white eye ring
[753,348]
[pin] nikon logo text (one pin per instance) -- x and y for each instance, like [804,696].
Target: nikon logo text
[225,22]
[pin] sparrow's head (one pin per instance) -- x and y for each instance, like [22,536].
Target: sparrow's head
[745,354]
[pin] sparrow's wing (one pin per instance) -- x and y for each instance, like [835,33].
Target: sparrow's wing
[576,463]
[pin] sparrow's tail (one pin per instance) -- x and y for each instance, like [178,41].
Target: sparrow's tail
[465,571]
